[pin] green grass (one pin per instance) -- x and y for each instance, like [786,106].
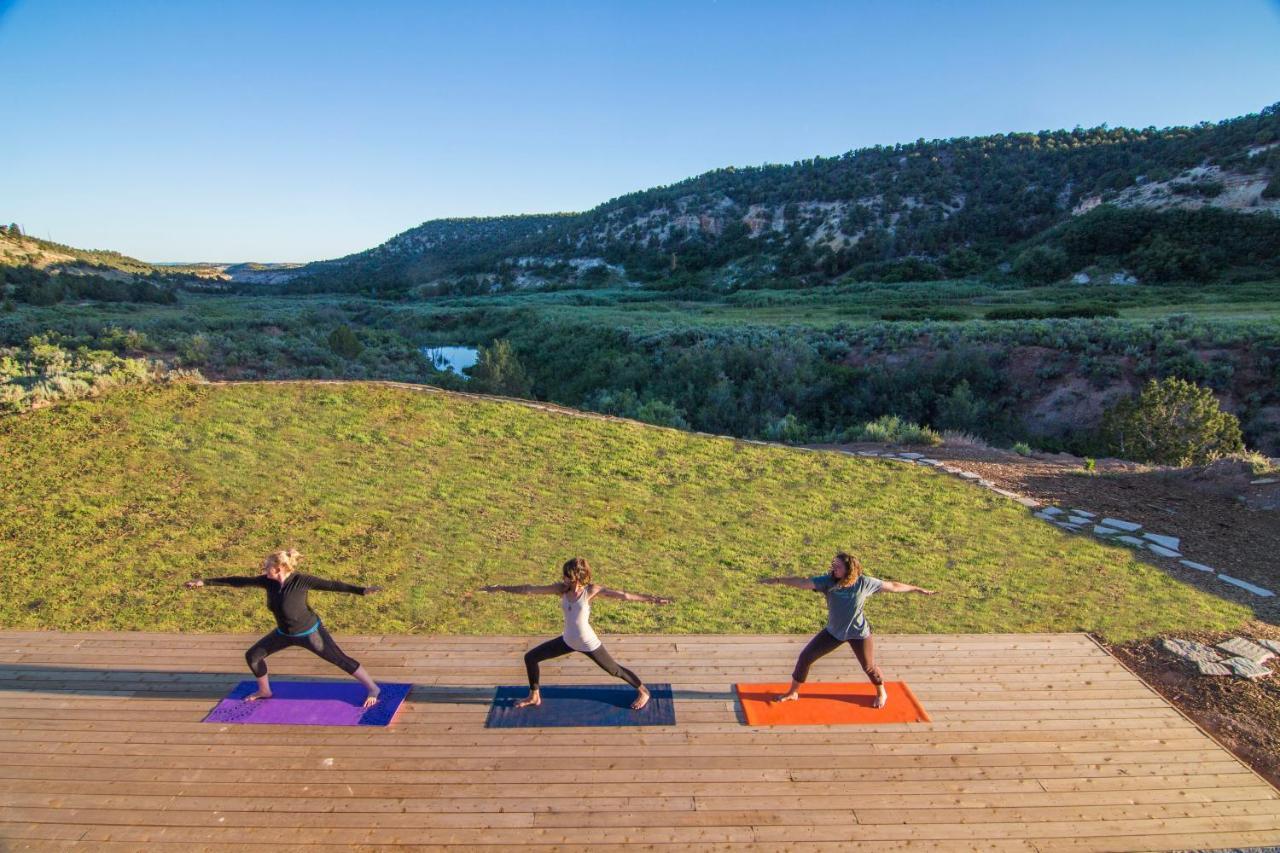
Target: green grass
[111,503]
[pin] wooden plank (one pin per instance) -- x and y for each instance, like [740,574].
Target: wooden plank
[1039,742]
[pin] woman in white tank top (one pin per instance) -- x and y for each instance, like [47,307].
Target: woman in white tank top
[576,591]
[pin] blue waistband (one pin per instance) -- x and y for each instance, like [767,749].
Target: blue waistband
[306,633]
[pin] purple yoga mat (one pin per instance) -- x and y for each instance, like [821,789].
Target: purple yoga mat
[309,703]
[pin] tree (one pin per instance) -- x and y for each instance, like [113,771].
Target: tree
[14,231]
[344,342]
[498,371]
[1172,422]
[1041,264]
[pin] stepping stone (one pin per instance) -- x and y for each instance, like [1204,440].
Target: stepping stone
[1273,645]
[931,461]
[1264,481]
[1121,525]
[1256,590]
[1100,530]
[1029,503]
[969,475]
[1246,668]
[1051,510]
[1163,552]
[1199,567]
[1209,668]
[1191,650]
[1131,540]
[911,455]
[867,453]
[1078,519]
[1167,541]
[1084,512]
[1242,648]
[1045,516]
[986,484]
[1074,528]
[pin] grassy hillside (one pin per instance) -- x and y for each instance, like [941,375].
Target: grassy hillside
[111,503]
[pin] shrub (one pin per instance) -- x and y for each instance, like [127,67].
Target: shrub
[891,429]
[498,371]
[1022,448]
[1172,422]
[343,342]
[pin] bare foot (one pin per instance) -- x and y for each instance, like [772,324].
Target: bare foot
[533,701]
[882,698]
[258,694]
[642,699]
[371,699]
[788,697]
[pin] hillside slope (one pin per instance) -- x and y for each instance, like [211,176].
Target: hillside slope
[953,207]
[112,503]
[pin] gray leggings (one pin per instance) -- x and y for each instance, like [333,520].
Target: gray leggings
[558,648]
[824,643]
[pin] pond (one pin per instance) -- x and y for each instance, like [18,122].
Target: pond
[452,359]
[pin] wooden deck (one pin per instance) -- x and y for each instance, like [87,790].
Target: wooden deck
[1039,742]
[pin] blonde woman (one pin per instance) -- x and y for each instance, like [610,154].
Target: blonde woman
[296,623]
[576,591]
[846,589]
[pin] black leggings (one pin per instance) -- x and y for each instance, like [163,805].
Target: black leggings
[824,643]
[559,648]
[317,642]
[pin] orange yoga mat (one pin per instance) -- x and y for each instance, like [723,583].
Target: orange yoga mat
[829,705]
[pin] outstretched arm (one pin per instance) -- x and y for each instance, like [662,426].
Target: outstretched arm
[323,585]
[795,583]
[629,596]
[196,583]
[526,589]
[894,586]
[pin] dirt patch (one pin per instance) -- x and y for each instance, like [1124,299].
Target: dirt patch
[1217,512]
[1242,715]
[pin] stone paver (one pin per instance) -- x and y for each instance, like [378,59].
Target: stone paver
[1199,567]
[1078,519]
[1247,668]
[1163,552]
[1242,648]
[1170,542]
[1256,590]
[1190,650]
[1121,525]
[1210,668]
[1131,540]
[1085,513]
[1102,530]
[1273,645]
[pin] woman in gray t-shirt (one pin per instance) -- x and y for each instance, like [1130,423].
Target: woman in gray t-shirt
[846,589]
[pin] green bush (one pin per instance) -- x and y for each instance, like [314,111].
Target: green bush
[891,429]
[1172,422]
[344,342]
[498,371]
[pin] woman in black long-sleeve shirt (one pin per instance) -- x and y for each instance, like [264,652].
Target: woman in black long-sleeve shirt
[296,623]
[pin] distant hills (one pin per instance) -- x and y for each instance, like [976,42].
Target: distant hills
[913,211]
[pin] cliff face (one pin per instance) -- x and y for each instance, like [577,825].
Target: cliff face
[925,200]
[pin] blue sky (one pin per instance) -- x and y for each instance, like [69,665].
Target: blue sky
[291,131]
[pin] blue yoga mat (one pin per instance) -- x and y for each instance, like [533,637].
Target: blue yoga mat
[581,705]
